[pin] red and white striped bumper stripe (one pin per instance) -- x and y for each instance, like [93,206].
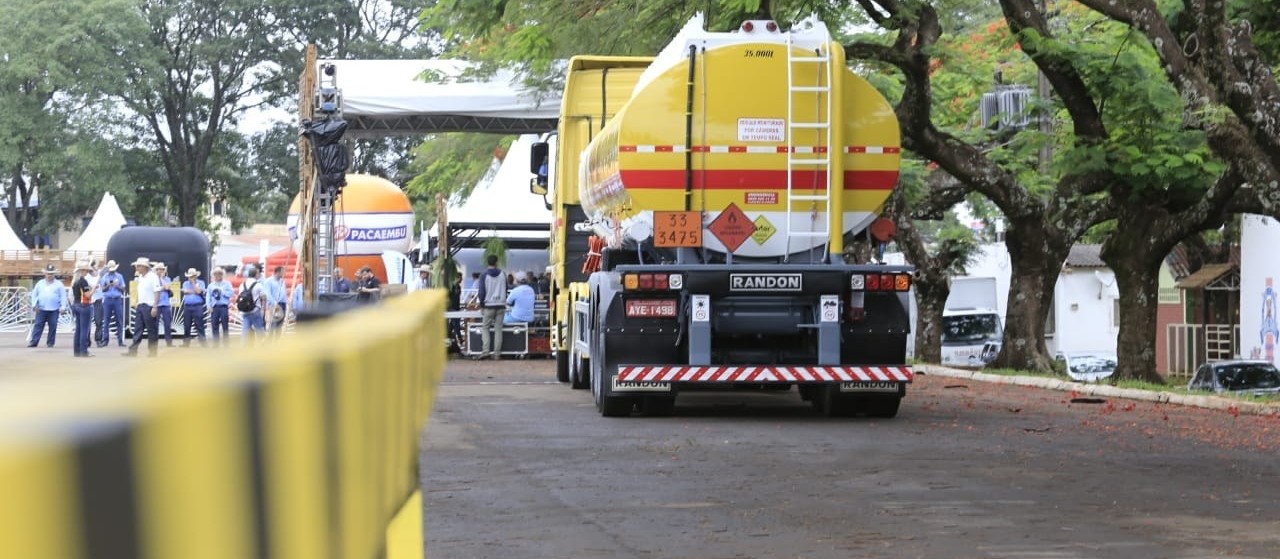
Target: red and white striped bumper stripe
[763,373]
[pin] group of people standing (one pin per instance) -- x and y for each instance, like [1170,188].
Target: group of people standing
[97,293]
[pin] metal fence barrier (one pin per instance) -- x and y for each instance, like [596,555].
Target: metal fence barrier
[307,447]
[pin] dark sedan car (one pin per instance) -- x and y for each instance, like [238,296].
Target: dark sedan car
[1257,377]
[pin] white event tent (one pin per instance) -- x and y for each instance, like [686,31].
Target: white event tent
[9,241]
[389,97]
[107,219]
[503,205]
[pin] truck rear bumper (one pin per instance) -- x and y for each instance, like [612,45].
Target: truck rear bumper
[814,374]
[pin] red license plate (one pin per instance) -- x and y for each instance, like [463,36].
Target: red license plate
[646,308]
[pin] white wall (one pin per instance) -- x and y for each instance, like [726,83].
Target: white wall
[1084,305]
[993,261]
[1259,263]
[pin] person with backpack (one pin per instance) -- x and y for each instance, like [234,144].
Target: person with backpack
[251,302]
[493,300]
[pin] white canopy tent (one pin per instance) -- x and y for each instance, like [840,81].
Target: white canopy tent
[9,240]
[389,97]
[107,219]
[504,207]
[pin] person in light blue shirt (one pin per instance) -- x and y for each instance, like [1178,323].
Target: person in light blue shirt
[112,287]
[521,301]
[192,307]
[48,297]
[165,307]
[296,300]
[277,297]
[221,293]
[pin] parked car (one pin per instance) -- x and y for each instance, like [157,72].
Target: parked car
[1256,377]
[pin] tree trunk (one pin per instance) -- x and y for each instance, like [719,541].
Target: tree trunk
[1138,299]
[1134,253]
[1036,261]
[188,206]
[931,299]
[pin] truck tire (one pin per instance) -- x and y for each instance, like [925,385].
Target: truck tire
[658,406]
[608,406]
[578,376]
[883,406]
[562,366]
[829,402]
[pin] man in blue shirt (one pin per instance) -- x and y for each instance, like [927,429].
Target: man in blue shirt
[112,286]
[340,283]
[521,301]
[192,306]
[220,295]
[277,296]
[48,297]
[165,307]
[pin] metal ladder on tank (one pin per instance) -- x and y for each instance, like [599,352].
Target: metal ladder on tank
[809,158]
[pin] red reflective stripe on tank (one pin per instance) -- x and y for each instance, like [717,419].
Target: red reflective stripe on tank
[713,179]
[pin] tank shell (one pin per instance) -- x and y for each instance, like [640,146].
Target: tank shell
[636,164]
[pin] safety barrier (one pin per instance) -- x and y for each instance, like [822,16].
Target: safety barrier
[15,309]
[306,447]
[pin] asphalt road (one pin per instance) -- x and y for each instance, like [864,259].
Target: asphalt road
[518,466]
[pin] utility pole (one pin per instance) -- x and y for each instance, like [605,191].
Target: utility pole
[306,177]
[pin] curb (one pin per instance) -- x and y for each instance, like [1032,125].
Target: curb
[1207,402]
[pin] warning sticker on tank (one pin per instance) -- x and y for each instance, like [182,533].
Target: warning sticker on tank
[755,198]
[761,130]
[764,230]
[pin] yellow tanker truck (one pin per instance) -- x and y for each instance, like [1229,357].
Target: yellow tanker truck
[703,199]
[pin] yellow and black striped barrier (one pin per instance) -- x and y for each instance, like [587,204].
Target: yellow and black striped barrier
[303,447]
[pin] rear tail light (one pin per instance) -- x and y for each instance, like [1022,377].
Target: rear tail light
[873,282]
[886,282]
[747,26]
[902,282]
[857,282]
[652,282]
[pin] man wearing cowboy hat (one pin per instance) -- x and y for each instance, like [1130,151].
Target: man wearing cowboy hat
[47,297]
[112,287]
[82,307]
[220,295]
[165,312]
[147,308]
[192,306]
[95,299]
[424,279]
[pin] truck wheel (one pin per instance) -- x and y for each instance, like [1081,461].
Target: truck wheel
[608,406]
[884,406]
[578,378]
[658,406]
[829,402]
[562,366]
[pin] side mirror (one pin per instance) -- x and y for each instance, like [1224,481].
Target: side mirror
[538,157]
[538,187]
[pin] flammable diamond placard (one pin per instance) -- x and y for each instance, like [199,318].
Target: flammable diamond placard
[732,227]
